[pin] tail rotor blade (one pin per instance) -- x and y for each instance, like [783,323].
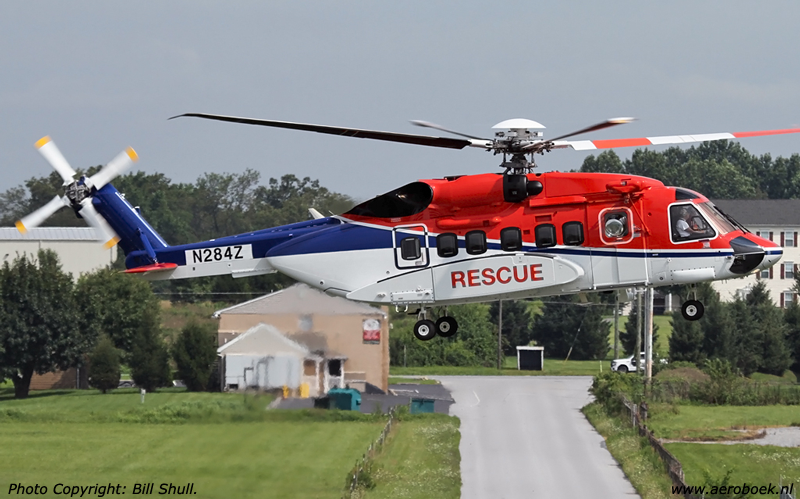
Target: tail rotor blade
[48,149]
[37,217]
[114,168]
[105,233]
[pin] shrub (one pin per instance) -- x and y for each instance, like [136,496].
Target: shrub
[104,365]
[194,353]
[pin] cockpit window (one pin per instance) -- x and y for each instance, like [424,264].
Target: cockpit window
[717,218]
[688,224]
[403,202]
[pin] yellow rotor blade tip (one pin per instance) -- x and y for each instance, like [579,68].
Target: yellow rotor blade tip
[111,243]
[41,142]
[132,154]
[21,227]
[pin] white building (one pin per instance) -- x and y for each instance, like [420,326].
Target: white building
[78,248]
[774,219]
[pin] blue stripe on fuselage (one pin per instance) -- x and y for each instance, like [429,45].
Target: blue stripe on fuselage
[354,237]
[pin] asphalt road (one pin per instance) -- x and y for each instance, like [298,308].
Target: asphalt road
[525,437]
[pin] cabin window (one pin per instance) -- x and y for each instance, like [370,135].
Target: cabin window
[572,233]
[475,242]
[511,239]
[410,248]
[447,245]
[545,235]
[688,224]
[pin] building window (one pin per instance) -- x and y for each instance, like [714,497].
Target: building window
[476,242]
[789,240]
[788,270]
[511,239]
[410,248]
[788,298]
[764,274]
[447,245]
[545,235]
[572,233]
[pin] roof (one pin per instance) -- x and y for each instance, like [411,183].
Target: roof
[762,212]
[49,234]
[300,299]
[263,339]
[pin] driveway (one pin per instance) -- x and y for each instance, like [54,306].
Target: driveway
[525,437]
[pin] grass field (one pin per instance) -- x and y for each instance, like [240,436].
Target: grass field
[664,323]
[752,464]
[227,445]
[695,421]
[421,461]
[640,463]
[552,367]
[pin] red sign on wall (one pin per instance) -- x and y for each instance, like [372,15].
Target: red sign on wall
[372,331]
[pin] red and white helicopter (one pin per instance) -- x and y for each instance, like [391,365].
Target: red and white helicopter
[461,239]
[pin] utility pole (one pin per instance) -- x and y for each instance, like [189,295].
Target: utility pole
[648,335]
[616,326]
[638,347]
[500,336]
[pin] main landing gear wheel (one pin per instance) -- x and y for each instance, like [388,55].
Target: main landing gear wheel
[424,330]
[446,327]
[692,310]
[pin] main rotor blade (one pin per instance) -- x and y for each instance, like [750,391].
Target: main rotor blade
[598,126]
[37,217]
[586,145]
[428,124]
[422,140]
[114,168]
[105,233]
[48,149]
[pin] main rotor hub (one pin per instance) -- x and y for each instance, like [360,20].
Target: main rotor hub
[77,191]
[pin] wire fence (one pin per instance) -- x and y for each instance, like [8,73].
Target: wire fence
[362,471]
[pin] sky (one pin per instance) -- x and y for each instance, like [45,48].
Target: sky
[100,76]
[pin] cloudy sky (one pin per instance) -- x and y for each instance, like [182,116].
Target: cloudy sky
[99,76]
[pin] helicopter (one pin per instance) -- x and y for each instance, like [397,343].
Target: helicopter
[510,235]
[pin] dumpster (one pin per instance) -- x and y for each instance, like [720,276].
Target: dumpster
[345,399]
[419,406]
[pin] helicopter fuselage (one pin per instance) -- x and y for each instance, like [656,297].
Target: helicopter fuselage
[487,237]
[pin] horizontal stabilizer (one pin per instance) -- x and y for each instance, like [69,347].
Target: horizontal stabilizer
[156,267]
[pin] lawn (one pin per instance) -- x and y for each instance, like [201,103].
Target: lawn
[695,421]
[421,461]
[552,367]
[752,464]
[228,445]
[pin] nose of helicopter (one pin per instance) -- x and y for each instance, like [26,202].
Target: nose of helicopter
[752,252]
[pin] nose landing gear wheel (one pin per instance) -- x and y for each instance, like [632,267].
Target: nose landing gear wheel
[692,310]
[446,327]
[424,330]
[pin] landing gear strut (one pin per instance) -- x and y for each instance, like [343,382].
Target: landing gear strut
[425,329]
[692,310]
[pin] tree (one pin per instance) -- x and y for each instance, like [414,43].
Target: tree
[569,327]
[194,352]
[38,320]
[686,341]
[628,335]
[770,330]
[517,324]
[104,365]
[117,305]
[149,361]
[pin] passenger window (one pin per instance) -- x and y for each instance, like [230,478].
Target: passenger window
[688,224]
[447,245]
[511,239]
[410,248]
[572,233]
[616,225]
[476,242]
[545,235]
